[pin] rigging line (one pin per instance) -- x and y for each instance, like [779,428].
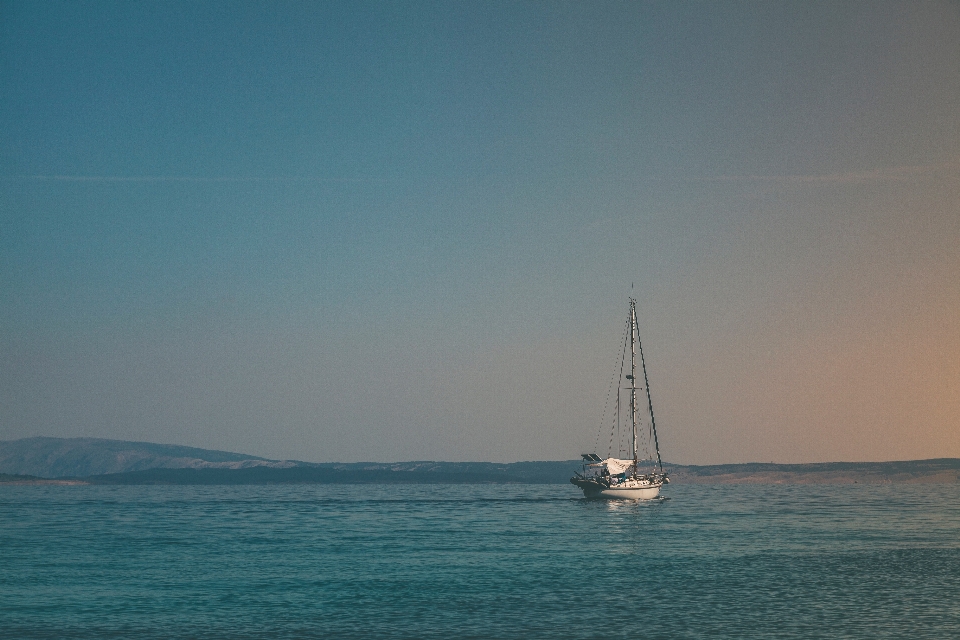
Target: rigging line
[606,405]
[616,425]
[653,421]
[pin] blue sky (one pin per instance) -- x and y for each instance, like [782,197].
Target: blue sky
[345,231]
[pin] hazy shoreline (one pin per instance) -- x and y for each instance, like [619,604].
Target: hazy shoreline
[945,471]
[66,461]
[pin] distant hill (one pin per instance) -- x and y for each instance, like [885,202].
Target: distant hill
[13,477]
[907,471]
[124,462]
[919,471]
[80,457]
[100,461]
[356,473]
[6,478]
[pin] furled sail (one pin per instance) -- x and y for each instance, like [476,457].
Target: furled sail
[617,466]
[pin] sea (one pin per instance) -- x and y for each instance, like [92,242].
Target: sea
[479,561]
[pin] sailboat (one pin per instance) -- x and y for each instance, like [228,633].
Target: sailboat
[631,478]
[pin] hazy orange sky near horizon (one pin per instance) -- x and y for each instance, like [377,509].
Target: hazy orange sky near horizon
[375,231]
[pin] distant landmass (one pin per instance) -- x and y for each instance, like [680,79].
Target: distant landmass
[936,470]
[8,478]
[102,461]
[81,457]
[355,473]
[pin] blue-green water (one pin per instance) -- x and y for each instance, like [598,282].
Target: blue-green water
[483,561]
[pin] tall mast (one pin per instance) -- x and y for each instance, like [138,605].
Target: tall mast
[633,376]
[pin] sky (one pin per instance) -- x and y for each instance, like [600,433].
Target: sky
[395,231]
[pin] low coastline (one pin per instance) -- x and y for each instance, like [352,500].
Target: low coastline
[17,479]
[938,471]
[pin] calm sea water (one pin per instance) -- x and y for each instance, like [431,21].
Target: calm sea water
[479,561]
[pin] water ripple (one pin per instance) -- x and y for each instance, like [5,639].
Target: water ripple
[479,561]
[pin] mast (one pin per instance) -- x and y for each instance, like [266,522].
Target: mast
[633,377]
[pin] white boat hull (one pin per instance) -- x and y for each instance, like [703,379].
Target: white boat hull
[634,493]
[629,490]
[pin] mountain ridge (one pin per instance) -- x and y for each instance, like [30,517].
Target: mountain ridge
[105,461]
[50,457]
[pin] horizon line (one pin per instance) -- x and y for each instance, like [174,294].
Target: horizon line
[265,459]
